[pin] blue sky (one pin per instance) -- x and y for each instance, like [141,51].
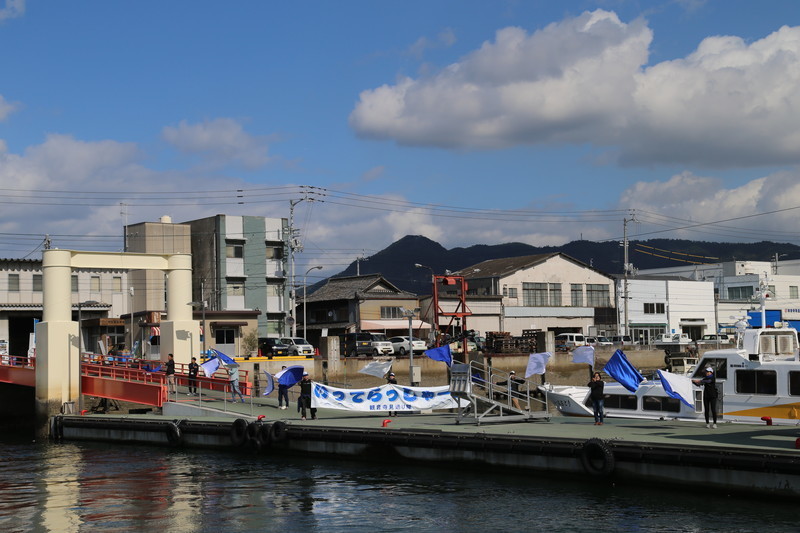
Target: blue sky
[470,122]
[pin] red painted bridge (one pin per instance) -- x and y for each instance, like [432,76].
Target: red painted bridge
[128,381]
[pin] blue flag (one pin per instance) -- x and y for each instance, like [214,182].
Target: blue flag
[619,368]
[222,357]
[290,376]
[269,384]
[442,353]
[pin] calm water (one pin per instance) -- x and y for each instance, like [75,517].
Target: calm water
[98,487]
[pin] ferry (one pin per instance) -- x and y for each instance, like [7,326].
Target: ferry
[758,381]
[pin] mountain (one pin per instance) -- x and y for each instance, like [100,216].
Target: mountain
[396,261]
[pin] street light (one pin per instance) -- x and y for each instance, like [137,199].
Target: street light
[410,315]
[305,288]
[130,289]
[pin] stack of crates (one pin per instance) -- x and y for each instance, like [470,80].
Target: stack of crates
[499,342]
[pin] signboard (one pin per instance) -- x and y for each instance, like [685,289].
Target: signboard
[384,398]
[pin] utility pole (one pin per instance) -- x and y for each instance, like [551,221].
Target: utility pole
[627,270]
[295,245]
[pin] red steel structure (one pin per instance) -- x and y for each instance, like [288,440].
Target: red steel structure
[122,382]
[458,285]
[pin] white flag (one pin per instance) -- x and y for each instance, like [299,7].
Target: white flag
[676,386]
[537,363]
[377,368]
[210,366]
[583,354]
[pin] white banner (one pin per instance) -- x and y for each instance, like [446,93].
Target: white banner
[383,398]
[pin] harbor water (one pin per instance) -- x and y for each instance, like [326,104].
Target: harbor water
[71,487]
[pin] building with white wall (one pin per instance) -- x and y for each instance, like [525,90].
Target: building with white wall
[666,304]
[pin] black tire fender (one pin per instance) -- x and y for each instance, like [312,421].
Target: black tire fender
[597,458]
[265,435]
[253,445]
[278,432]
[174,434]
[238,431]
[252,430]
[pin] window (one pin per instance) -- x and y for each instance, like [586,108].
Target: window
[794,383]
[391,312]
[793,292]
[654,309]
[757,382]
[37,283]
[235,288]
[620,401]
[234,250]
[534,294]
[576,294]
[274,252]
[661,403]
[512,292]
[555,294]
[225,336]
[74,283]
[771,291]
[94,284]
[13,283]
[740,293]
[720,367]
[597,295]
[116,284]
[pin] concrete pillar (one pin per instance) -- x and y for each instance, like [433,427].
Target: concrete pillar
[180,335]
[57,352]
[329,349]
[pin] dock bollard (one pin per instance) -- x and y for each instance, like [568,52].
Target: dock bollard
[385,422]
[767,419]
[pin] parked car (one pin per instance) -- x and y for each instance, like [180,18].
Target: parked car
[621,340]
[271,347]
[298,346]
[480,341]
[723,338]
[400,344]
[365,343]
[381,345]
[355,344]
[598,341]
[568,341]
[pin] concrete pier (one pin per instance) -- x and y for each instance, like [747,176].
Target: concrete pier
[736,458]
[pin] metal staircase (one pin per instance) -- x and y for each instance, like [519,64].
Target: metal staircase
[482,399]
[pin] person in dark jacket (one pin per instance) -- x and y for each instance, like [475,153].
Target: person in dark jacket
[171,388]
[709,383]
[391,380]
[513,383]
[304,402]
[596,387]
[194,368]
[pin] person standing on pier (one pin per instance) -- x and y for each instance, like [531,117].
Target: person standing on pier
[283,393]
[391,380]
[709,384]
[233,378]
[304,402]
[171,388]
[194,368]
[598,397]
[513,383]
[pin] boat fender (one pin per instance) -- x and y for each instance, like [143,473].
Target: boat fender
[252,430]
[253,445]
[278,431]
[597,458]
[174,435]
[57,429]
[265,435]
[239,431]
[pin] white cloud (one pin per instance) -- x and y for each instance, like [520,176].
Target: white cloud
[13,9]
[374,173]
[221,141]
[6,108]
[585,80]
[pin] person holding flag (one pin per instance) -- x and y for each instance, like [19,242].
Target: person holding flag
[709,383]
[233,378]
[598,398]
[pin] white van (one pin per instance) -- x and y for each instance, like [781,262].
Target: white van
[568,341]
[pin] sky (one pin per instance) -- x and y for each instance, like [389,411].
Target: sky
[468,122]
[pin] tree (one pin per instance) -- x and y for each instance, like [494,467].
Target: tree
[250,341]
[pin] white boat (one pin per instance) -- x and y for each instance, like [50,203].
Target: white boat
[758,381]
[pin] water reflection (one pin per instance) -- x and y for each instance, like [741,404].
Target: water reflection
[89,486]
